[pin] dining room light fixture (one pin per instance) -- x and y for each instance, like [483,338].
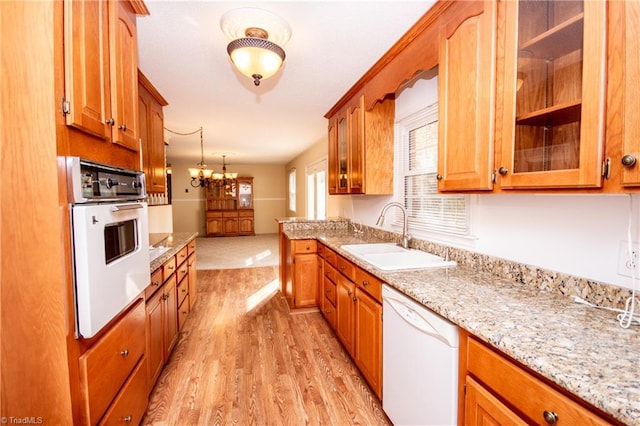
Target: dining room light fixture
[257,36]
[200,176]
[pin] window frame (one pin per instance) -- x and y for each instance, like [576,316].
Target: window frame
[438,232]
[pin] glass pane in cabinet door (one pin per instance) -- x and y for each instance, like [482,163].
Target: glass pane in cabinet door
[549,85]
[342,153]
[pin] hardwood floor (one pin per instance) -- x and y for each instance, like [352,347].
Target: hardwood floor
[243,359]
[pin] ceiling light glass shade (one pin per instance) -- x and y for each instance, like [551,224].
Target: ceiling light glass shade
[195,173]
[256,58]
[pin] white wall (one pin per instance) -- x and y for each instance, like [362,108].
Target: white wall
[577,234]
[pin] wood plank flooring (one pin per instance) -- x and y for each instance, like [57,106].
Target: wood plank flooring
[243,359]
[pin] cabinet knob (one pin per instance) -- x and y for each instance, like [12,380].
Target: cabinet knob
[503,170]
[122,127]
[439,176]
[127,419]
[110,121]
[124,352]
[349,293]
[365,283]
[354,298]
[342,267]
[628,160]
[184,290]
[550,417]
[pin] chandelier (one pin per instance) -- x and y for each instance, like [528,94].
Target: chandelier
[222,179]
[200,176]
[256,38]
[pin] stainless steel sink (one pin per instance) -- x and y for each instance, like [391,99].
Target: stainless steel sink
[392,257]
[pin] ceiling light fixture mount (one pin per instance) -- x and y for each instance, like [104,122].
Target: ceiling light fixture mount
[256,39]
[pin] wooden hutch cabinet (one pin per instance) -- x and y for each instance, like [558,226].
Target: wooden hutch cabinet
[230,207]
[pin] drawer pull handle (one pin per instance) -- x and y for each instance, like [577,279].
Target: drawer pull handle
[124,352]
[308,248]
[184,290]
[184,271]
[122,127]
[342,267]
[155,283]
[550,417]
[349,293]
[365,283]
[170,267]
[127,419]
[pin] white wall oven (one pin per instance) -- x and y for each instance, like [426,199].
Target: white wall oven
[110,236]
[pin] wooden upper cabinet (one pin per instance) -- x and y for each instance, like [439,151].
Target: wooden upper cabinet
[100,76]
[86,54]
[631,133]
[361,148]
[124,74]
[151,134]
[554,94]
[466,91]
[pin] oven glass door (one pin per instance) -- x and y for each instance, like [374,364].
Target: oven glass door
[111,261]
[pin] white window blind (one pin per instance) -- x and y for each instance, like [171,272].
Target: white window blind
[418,153]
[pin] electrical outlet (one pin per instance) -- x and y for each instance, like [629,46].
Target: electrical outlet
[629,263]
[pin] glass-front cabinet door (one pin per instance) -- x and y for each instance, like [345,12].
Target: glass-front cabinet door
[343,155]
[553,135]
[245,192]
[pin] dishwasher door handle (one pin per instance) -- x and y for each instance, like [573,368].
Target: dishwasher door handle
[412,317]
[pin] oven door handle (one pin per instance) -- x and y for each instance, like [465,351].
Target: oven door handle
[123,207]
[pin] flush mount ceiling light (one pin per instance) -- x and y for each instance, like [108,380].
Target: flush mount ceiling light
[256,39]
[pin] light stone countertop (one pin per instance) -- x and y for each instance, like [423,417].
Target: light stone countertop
[175,241]
[580,348]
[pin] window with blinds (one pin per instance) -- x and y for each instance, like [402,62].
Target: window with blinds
[418,154]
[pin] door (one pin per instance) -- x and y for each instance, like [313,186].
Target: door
[124,74]
[368,340]
[155,335]
[481,408]
[305,270]
[466,87]
[345,313]
[317,190]
[86,55]
[554,97]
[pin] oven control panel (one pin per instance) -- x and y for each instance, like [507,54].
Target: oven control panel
[96,182]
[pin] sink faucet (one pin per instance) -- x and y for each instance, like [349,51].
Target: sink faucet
[405,229]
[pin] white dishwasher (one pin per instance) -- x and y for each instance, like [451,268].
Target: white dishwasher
[419,363]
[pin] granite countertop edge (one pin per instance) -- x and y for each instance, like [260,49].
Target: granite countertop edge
[581,349]
[175,241]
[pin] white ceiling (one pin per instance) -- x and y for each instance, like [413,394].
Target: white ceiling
[182,50]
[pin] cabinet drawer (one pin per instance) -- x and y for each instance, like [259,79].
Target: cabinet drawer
[329,313]
[233,214]
[245,213]
[213,215]
[330,291]
[183,289]
[181,256]
[182,271]
[104,367]
[191,247]
[369,283]
[330,256]
[156,281]
[330,272]
[183,311]
[131,404]
[347,268]
[168,268]
[304,246]
[528,394]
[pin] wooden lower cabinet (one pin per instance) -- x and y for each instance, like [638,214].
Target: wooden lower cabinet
[368,339]
[345,313]
[162,327]
[170,298]
[193,286]
[301,273]
[131,404]
[105,367]
[501,392]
